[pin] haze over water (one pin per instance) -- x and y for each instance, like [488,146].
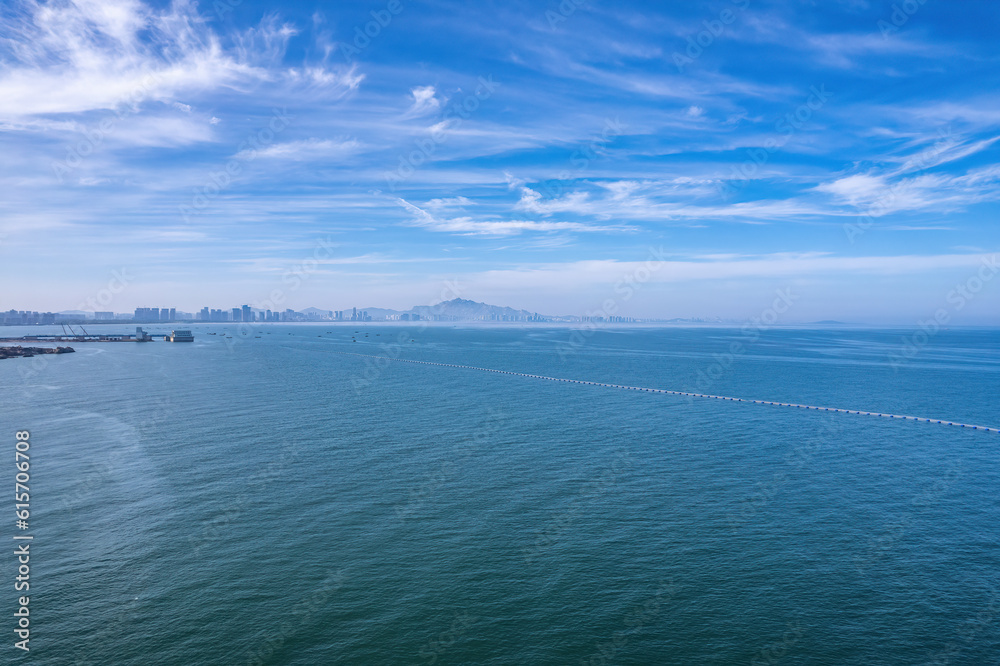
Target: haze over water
[267,500]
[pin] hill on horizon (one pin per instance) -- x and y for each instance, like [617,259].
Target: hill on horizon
[456,308]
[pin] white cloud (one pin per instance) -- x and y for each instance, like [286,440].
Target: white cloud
[621,189]
[856,190]
[309,149]
[161,131]
[513,181]
[662,201]
[844,49]
[450,202]
[886,193]
[265,44]
[529,201]
[942,152]
[424,101]
[111,54]
[469,226]
[577,274]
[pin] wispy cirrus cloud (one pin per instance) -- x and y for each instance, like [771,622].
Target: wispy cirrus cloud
[72,57]
[916,184]
[474,227]
[307,149]
[144,105]
[775,265]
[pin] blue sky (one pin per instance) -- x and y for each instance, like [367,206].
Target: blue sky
[526,154]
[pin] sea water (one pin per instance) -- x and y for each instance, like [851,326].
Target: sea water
[281,500]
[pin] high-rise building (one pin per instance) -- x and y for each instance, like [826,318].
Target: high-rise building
[237,314]
[247,314]
[14,317]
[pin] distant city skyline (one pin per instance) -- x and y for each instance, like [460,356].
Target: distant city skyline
[774,315]
[245,313]
[696,156]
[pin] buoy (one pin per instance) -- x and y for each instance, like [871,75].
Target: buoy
[684,393]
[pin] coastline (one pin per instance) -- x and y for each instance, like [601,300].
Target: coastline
[26,352]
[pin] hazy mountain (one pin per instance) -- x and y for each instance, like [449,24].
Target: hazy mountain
[460,308]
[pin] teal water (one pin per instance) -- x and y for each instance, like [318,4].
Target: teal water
[269,501]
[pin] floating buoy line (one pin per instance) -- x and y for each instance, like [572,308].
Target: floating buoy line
[684,393]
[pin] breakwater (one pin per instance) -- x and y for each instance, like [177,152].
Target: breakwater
[18,351]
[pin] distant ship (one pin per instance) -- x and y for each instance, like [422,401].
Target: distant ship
[180,335]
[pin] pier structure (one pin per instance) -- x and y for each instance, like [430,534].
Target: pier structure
[139,336]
